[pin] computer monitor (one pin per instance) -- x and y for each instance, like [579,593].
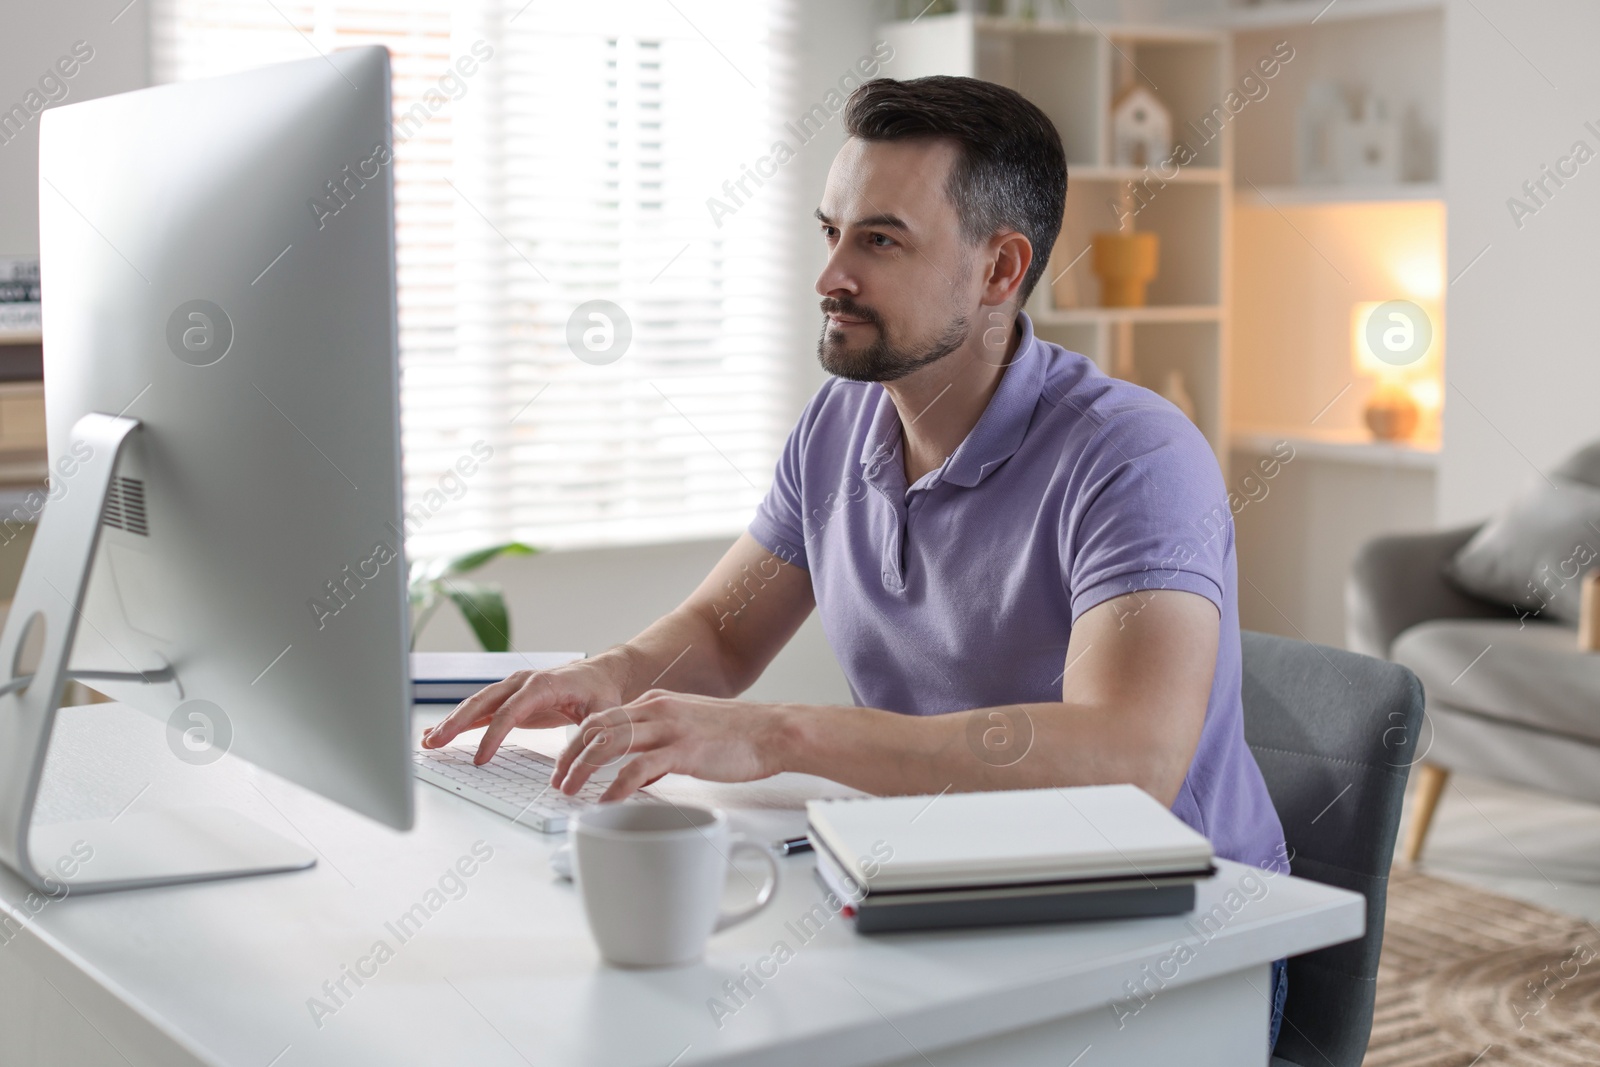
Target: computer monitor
[222,396]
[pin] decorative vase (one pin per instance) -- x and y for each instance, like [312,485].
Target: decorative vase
[1125,263]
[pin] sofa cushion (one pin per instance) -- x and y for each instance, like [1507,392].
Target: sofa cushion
[1582,466]
[1529,674]
[1533,555]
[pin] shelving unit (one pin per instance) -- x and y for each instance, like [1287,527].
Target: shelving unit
[1306,254]
[1072,71]
[1393,48]
[22,424]
[22,435]
[1259,272]
[1303,257]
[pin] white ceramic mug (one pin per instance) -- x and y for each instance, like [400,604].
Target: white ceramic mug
[652,879]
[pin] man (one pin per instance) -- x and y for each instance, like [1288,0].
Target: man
[1025,568]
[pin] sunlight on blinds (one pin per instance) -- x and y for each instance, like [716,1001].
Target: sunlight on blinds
[588,356]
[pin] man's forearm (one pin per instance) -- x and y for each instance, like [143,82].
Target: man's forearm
[1019,746]
[680,651]
[718,641]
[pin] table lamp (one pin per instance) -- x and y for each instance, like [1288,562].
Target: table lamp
[1394,342]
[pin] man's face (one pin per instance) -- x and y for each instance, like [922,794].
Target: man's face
[897,291]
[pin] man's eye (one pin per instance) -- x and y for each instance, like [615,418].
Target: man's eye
[882,240]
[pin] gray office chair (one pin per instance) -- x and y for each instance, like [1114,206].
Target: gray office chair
[1335,734]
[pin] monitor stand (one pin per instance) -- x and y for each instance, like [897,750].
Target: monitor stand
[130,850]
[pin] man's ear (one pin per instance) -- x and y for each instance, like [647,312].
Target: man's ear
[1009,255]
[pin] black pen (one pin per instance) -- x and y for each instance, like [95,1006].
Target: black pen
[792,845]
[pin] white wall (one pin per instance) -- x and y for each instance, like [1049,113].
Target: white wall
[32,37]
[1522,369]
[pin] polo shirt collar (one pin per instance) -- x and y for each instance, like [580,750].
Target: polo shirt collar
[882,444]
[1004,423]
[999,430]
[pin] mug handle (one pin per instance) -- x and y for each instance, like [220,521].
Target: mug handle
[736,844]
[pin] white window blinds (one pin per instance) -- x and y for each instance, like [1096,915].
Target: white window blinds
[551,155]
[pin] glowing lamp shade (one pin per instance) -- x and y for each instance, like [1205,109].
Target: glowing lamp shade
[1394,340]
[1396,343]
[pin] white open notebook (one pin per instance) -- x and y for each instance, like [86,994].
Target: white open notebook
[1000,838]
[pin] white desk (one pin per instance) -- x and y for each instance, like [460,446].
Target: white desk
[507,974]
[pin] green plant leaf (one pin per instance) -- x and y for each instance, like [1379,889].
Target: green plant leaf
[484,608]
[470,561]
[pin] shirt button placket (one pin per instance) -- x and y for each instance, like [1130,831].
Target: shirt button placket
[894,549]
[893,542]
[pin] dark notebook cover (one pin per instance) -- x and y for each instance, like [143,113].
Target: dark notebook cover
[1127,901]
[1003,905]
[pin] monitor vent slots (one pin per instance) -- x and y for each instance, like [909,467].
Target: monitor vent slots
[125,506]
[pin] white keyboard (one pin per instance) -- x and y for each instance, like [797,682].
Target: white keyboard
[515,784]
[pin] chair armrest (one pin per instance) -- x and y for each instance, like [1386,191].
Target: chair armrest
[1397,582]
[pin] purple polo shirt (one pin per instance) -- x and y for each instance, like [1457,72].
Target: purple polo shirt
[960,591]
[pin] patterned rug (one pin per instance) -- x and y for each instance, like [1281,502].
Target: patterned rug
[1473,979]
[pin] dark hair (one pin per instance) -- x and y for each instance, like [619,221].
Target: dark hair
[1011,173]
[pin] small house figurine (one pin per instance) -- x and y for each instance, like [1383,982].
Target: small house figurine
[1141,128]
[1341,146]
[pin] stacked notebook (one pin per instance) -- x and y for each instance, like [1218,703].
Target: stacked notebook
[996,858]
[451,677]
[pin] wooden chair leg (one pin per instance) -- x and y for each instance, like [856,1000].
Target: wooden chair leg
[1431,780]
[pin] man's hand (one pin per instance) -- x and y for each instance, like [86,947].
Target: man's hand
[710,738]
[537,699]
[718,641]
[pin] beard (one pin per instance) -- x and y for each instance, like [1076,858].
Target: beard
[883,359]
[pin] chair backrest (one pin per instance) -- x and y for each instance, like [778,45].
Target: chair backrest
[1335,734]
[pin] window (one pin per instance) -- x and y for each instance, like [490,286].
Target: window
[549,155]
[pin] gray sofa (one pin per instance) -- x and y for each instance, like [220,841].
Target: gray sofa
[1506,698]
